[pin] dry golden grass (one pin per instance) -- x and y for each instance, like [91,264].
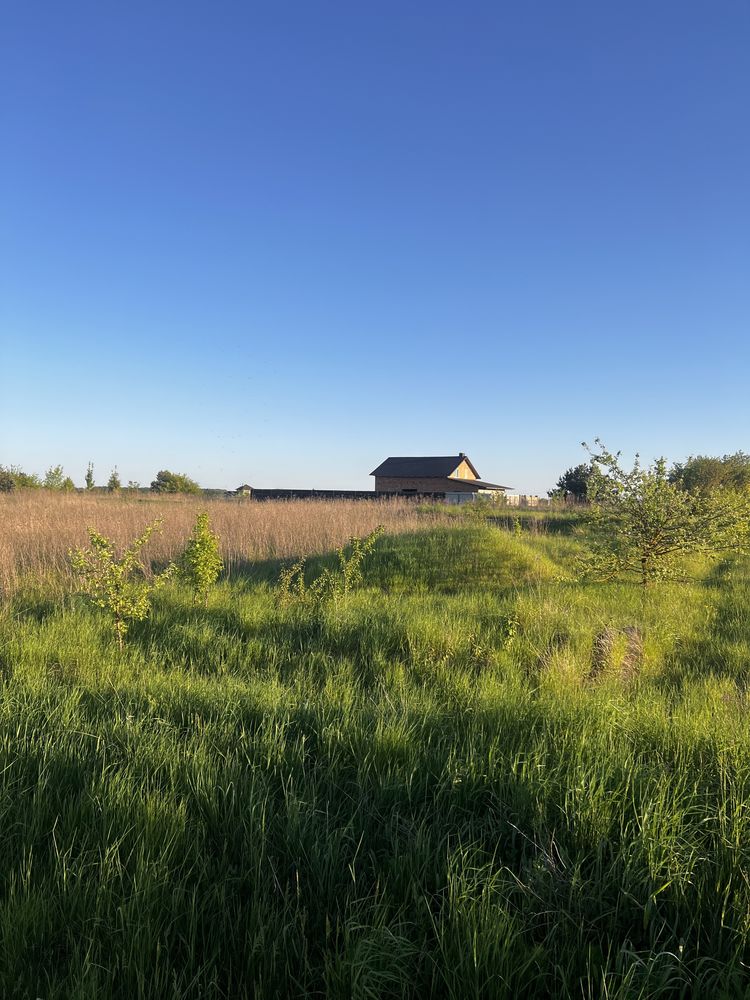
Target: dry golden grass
[38,528]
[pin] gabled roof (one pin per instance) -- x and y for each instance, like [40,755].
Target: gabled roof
[425,467]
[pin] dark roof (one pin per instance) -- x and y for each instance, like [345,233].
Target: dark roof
[430,467]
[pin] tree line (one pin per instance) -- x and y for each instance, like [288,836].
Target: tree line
[697,474]
[12,477]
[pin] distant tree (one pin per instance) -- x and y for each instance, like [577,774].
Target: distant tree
[24,480]
[7,482]
[90,476]
[174,482]
[642,522]
[702,473]
[573,484]
[54,478]
[68,486]
[113,483]
[133,485]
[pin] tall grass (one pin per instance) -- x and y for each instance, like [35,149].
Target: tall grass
[38,527]
[420,789]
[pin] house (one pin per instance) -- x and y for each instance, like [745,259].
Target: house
[244,491]
[451,476]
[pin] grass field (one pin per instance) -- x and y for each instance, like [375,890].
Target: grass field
[441,785]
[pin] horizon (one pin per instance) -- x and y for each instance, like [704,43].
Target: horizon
[277,246]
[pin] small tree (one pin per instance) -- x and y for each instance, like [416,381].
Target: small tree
[54,478]
[119,585]
[200,563]
[174,482]
[642,522]
[90,476]
[68,486]
[7,482]
[113,483]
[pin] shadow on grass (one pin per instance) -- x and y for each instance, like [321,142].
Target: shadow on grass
[298,642]
[544,524]
[723,649]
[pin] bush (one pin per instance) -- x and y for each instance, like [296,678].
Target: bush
[331,583]
[701,474]
[21,479]
[200,564]
[117,585]
[174,482]
[642,522]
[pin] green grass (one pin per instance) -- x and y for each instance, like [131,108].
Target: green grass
[420,789]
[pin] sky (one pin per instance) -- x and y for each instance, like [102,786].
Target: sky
[275,243]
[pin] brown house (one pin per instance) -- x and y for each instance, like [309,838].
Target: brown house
[446,475]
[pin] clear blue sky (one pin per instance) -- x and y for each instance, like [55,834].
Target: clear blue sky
[278,242]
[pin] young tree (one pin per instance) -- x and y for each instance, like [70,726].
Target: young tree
[54,478]
[174,482]
[573,484]
[90,476]
[113,483]
[68,486]
[642,523]
[119,585]
[7,482]
[200,563]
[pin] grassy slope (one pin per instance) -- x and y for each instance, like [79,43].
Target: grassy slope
[415,792]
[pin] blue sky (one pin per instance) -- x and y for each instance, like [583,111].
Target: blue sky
[276,243]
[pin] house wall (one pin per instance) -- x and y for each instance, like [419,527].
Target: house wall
[394,484]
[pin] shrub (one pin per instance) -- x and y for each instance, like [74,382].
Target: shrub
[200,564]
[642,522]
[117,585]
[174,482]
[54,478]
[24,480]
[332,583]
[703,473]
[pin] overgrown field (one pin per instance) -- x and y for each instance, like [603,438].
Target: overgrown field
[471,777]
[38,528]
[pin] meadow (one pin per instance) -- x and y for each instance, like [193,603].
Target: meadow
[473,776]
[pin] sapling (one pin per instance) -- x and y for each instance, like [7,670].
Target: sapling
[118,585]
[331,583]
[200,564]
[642,523]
